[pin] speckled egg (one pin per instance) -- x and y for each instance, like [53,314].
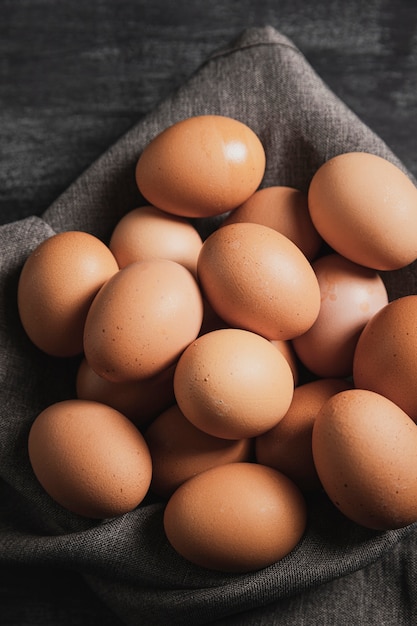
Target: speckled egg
[142,319]
[233,384]
[90,458]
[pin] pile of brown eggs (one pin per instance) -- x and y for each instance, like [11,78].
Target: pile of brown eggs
[232,376]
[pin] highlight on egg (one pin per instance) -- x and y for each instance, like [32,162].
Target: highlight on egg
[201,166]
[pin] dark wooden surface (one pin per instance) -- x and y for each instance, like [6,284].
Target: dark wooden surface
[74,75]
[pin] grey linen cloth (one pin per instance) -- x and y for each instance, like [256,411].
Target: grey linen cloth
[263,80]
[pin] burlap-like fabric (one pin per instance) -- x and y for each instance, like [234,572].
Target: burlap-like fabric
[263,80]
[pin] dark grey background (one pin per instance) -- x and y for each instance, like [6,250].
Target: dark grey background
[74,76]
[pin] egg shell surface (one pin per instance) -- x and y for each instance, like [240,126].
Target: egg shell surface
[286,348]
[90,458]
[148,233]
[57,285]
[255,278]
[364,449]
[179,450]
[233,383]
[365,208]
[142,319]
[385,359]
[237,517]
[140,400]
[287,446]
[284,209]
[201,166]
[350,295]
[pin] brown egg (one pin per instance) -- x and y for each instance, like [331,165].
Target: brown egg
[288,351]
[287,446]
[142,319]
[233,384]
[179,451]
[57,284]
[284,209]
[147,233]
[238,517]
[385,358]
[140,400]
[201,166]
[364,448]
[211,321]
[90,458]
[257,279]
[350,295]
[365,208]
